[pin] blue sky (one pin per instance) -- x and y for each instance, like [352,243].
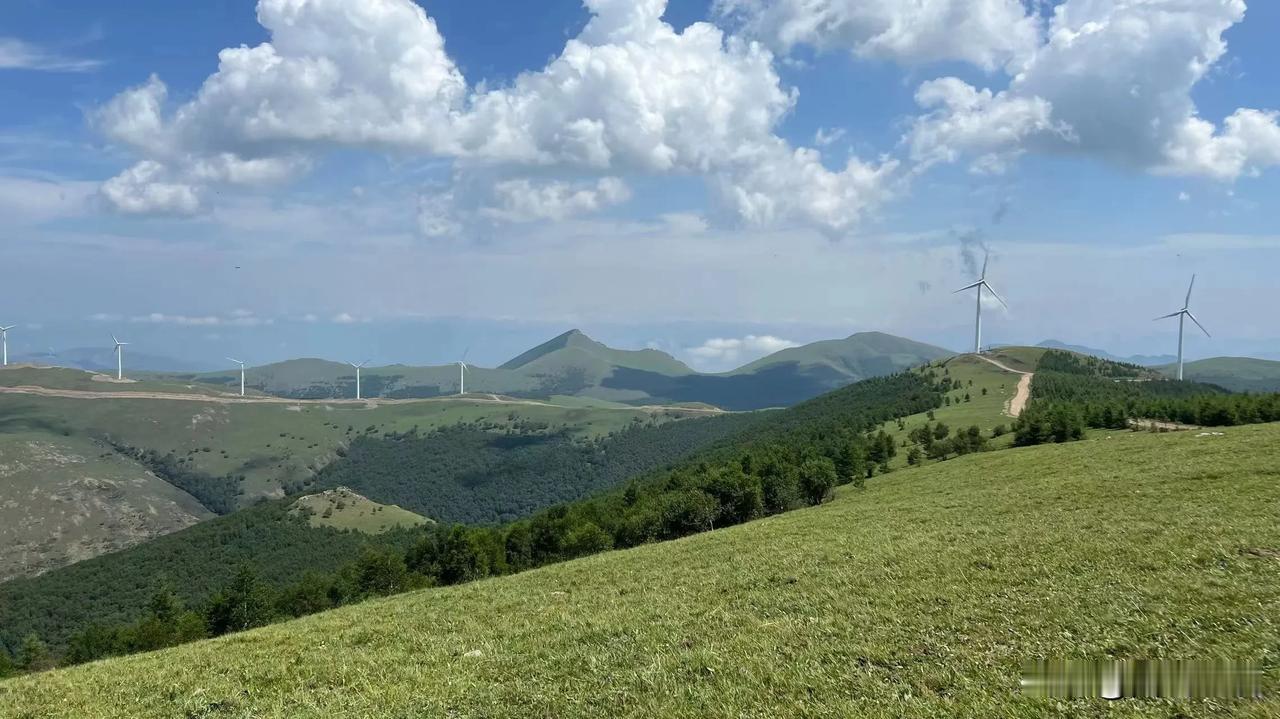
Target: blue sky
[407,182]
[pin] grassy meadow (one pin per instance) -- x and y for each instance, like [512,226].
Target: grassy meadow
[918,596]
[343,509]
[272,444]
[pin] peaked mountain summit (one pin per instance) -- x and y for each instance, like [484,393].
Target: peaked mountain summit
[575,365]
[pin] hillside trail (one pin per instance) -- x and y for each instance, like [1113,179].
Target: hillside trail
[370,403]
[1014,406]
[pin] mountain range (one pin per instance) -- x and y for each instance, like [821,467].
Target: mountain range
[574,365]
[1143,360]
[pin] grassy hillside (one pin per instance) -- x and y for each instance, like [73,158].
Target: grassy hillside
[728,468]
[1238,374]
[64,499]
[341,508]
[862,355]
[570,348]
[276,445]
[195,562]
[77,379]
[918,597]
[481,472]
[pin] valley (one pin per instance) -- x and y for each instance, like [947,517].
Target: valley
[850,608]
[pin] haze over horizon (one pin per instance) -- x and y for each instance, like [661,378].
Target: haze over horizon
[480,180]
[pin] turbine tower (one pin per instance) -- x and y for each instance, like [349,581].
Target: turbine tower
[1182,316]
[358,368]
[119,357]
[241,374]
[462,372]
[980,284]
[4,340]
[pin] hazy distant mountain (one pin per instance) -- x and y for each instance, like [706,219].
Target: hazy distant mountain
[573,364]
[103,359]
[1238,374]
[1144,360]
[573,348]
[788,376]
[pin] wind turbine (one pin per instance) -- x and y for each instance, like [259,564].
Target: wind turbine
[358,367]
[119,357]
[4,340]
[1182,316]
[981,283]
[241,374]
[462,373]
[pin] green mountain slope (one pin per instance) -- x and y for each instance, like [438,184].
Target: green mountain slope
[574,365]
[480,472]
[862,355]
[786,377]
[919,596]
[64,499]
[1238,374]
[548,356]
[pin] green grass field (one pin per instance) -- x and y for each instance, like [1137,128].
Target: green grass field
[985,411]
[917,597]
[82,380]
[343,509]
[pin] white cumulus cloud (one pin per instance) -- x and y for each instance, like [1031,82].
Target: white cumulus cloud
[630,94]
[1112,80]
[524,200]
[986,33]
[727,352]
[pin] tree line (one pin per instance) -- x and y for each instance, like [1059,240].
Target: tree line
[1076,395]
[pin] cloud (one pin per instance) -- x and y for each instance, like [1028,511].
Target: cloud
[523,200]
[730,352]
[826,137]
[16,54]
[1111,80]
[145,190]
[629,95]
[344,318]
[986,33]
[239,318]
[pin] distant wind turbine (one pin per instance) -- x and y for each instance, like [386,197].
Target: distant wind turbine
[462,373]
[119,357]
[980,284]
[4,340]
[1182,316]
[241,374]
[358,368]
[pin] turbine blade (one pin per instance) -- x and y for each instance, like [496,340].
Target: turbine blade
[967,287]
[986,257]
[113,339]
[1202,329]
[1171,314]
[1189,288]
[995,294]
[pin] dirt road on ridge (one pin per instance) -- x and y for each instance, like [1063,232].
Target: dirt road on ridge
[1018,402]
[371,403]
